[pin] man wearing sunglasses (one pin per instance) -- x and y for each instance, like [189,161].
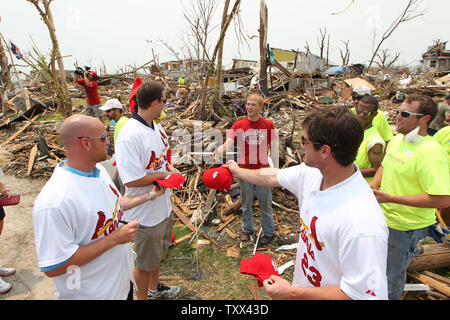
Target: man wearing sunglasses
[343,234]
[142,157]
[79,241]
[379,121]
[413,180]
[370,152]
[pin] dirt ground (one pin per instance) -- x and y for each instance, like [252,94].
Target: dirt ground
[17,249]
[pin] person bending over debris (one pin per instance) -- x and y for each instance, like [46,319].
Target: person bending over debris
[343,234]
[254,135]
[142,157]
[371,150]
[76,216]
[379,121]
[413,180]
[89,84]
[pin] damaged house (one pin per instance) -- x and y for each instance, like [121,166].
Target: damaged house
[437,58]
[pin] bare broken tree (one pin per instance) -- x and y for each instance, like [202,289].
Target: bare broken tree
[62,97]
[209,70]
[409,13]
[345,56]
[385,59]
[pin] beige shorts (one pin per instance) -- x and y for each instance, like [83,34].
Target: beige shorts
[151,244]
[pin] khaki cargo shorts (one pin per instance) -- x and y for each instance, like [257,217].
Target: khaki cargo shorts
[151,244]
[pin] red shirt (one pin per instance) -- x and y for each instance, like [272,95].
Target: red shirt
[91,92]
[253,139]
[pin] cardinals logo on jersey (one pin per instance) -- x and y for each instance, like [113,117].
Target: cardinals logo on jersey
[104,226]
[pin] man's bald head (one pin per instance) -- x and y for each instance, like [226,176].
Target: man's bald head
[75,126]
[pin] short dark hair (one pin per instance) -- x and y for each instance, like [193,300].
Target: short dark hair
[370,100]
[427,106]
[338,128]
[447,97]
[148,92]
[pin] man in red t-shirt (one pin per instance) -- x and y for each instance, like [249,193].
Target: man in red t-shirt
[93,102]
[253,135]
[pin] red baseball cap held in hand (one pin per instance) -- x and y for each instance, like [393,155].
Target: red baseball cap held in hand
[173,180]
[218,178]
[261,266]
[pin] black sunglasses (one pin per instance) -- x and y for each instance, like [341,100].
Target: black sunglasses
[304,141]
[407,114]
[359,98]
[102,138]
[364,112]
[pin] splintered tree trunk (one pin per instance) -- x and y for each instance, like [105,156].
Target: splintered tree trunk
[263,47]
[214,56]
[59,77]
[220,53]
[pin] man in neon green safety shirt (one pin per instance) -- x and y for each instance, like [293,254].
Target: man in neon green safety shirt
[371,150]
[413,180]
[114,111]
[379,121]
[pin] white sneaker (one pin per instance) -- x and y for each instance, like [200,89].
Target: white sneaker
[164,292]
[4,286]
[6,272]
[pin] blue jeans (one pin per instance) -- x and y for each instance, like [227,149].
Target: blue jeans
[402,247]
[264,196]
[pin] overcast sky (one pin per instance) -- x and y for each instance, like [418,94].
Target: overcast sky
[119,33]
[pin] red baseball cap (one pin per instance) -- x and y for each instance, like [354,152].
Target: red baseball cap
[173,180]
[261,266]
[218,178]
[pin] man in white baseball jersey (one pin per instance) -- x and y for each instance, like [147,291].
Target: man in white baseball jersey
[142,157]
[343,235]
[79,241]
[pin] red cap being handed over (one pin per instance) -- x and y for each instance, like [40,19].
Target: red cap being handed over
[173,180]
[218,178]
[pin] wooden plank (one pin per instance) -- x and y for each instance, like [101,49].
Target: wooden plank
[227,222]
[183,238]
[437,277]
[254,291]
[441,287]
[26,97]
[182,217]
[19,131]
[182,206]
[31,159]
[231,233]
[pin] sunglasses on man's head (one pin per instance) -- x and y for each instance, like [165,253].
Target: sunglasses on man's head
[102,138]
[407,114]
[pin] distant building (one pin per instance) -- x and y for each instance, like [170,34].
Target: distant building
[299,61]
[176,69]
[437,58]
